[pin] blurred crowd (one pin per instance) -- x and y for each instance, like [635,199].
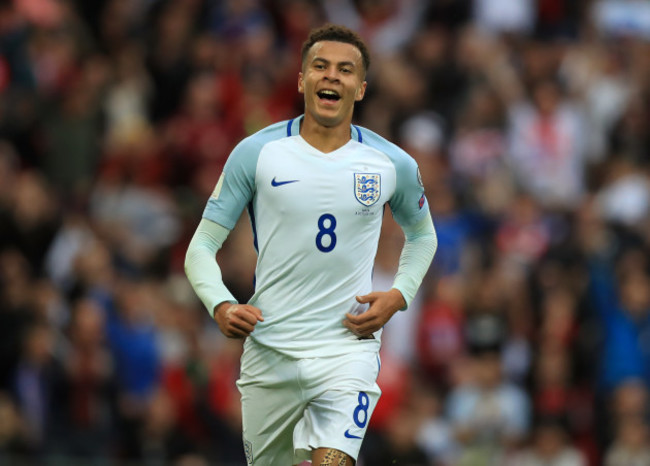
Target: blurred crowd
[529,341]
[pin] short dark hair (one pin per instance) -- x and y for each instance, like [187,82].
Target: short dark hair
[336,33]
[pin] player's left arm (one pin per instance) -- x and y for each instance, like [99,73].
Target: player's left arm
[419,248]
[411,211]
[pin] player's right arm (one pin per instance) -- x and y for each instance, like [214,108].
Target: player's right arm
[233,192]
[234,320]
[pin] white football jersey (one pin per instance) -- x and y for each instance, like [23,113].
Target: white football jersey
[316,219]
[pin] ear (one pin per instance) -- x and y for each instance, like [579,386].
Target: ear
[301,84]
[361,91]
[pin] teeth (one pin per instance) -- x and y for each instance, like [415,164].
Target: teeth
[328,92]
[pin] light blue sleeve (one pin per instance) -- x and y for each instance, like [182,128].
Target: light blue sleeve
[201,267]
[408,203]
[236,187]
[419,248]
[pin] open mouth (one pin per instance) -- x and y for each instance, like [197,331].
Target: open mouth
[329,95]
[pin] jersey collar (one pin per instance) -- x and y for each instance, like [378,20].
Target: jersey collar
[293,129]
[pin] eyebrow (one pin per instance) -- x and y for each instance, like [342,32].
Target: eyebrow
[341,63]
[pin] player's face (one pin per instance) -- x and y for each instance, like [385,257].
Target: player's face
[332,80]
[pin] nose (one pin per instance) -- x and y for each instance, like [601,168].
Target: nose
[331,73]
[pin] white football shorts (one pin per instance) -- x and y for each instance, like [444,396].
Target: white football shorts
[292,406]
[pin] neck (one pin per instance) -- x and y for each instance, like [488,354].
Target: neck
[324,138]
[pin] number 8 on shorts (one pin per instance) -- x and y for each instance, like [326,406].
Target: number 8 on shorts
[361,411]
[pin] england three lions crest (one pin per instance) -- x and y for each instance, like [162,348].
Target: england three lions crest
[367,188]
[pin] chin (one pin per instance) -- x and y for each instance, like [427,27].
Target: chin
[325,119]
[329,119]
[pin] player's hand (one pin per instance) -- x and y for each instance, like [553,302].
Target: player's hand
[383,304]
[237,320]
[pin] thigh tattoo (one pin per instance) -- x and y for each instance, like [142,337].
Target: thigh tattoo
[334,458]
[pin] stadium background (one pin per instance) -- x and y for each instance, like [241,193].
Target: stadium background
[530,121]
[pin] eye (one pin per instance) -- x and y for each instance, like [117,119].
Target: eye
[346,70]
[319,66]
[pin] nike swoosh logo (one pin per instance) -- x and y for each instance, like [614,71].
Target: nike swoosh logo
[349,435]
[280,183]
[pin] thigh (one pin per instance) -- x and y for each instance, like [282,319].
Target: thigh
[330,457]
[271,406]
[342,399]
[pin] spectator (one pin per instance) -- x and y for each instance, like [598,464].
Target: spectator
[32,220]
[435,436]
[546,151]
[622,305]
[86,388]
[33,387]
[551,447]
[399,444]
[440,332]
[13,440]
[489,416]
[630,446]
